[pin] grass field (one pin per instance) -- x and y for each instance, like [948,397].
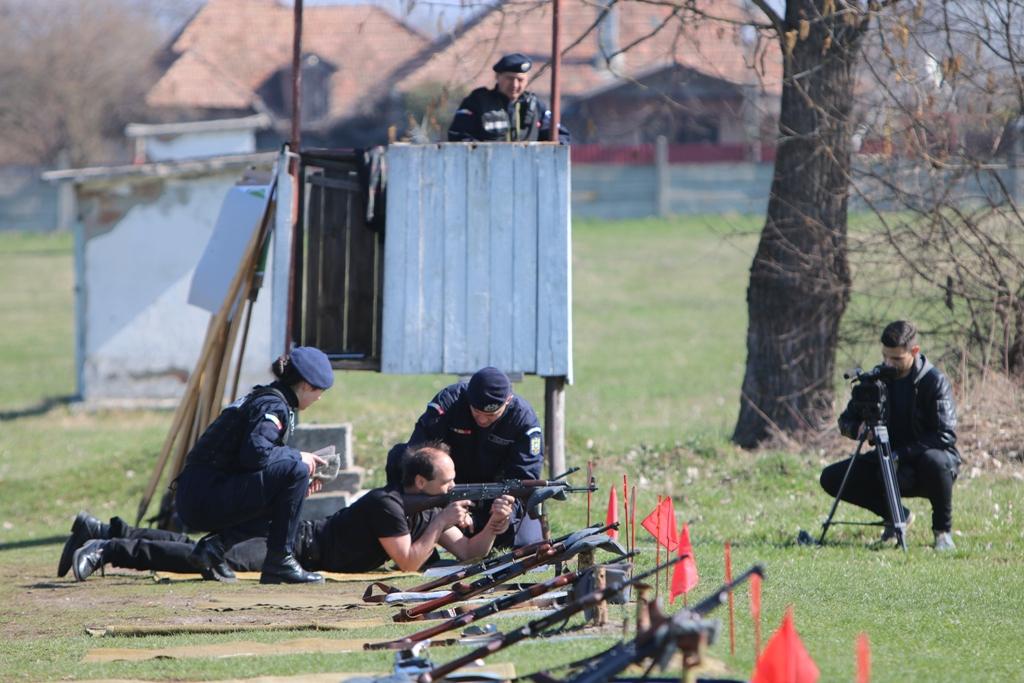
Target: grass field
[659,328]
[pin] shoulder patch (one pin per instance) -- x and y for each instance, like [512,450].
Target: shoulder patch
[275,419]
[535,444]
[534,430]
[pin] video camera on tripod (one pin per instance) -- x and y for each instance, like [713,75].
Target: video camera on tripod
[869,400]
[869,406]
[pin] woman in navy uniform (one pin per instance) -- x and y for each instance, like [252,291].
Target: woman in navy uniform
[241,480]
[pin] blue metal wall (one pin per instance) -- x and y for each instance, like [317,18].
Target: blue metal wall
[477,259]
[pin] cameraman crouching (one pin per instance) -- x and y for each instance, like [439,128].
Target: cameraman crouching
[921,424]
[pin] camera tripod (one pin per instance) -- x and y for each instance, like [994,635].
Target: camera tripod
[883,448]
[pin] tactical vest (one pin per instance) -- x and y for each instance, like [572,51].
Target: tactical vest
[220,444]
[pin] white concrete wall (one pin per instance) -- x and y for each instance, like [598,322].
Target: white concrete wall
[138,337]
[196,145]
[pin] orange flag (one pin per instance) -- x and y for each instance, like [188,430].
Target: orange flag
[755,611]
[613,512]
[684,575]
[863,659]
[785,659]
[661,523]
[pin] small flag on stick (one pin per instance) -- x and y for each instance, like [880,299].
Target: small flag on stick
[732,614]
[661,523]
[755,612]
[590,485]
[863,659]
[632,519]
[625,510]
[613,513]
[684,575]
[785,659]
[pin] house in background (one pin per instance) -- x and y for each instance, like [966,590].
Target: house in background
[629,73]
[233,60]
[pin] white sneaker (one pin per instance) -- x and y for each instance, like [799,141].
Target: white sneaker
[944,541]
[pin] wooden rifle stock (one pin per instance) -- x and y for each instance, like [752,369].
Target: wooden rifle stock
[481,612]
[538,625]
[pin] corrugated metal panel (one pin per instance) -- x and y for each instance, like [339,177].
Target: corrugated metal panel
[477,259]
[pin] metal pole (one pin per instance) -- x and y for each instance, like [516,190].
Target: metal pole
[556,63]
[294,168]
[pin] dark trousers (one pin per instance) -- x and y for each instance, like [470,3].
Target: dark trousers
[242,505]
[928,475]
[167,551]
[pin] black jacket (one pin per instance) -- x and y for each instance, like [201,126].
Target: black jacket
[251,432]
[934,414]
[486,115]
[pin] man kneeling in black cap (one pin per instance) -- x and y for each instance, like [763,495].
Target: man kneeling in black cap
[493,435]
[506,113]
[359,538]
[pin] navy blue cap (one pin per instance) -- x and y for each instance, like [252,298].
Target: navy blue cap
[516,62]
[489,388]
[313,365]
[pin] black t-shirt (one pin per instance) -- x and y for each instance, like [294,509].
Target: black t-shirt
[901,410]
[349,539]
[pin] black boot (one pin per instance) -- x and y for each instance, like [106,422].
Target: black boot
[89,558]
[284,568]
[219,572]
[207,553]
[84,528]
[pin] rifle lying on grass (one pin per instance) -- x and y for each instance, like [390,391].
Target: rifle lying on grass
[484,611]
[481,566]
[532,492]
[541,624]
[558,552]
[685,631]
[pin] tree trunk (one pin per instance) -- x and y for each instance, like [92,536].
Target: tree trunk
[800,278]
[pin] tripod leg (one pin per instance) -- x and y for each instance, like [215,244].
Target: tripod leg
[842,486]
[892,492]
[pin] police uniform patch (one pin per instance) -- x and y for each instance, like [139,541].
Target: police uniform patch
[535,445]
[275,419]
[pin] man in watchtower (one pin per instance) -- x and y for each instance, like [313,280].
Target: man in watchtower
[508,112]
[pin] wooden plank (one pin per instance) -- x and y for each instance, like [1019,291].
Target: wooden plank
[413,265]
[502,199]
[553,324]
[332,273]
[456,161]
[393,329]
[314,232]
[432,190]
[361,297]
[524,260]
[476,292]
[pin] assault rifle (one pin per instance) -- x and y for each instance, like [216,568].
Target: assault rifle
[686,631]
[532,492]
[484,611]
[538,626]
[481,566]
[558,552]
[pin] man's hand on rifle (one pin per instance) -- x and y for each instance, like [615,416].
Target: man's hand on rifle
[457,514]
[501,513]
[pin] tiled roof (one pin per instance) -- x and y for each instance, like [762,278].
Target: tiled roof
[463,58]
[231,48]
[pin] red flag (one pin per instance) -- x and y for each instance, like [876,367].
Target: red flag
[661,523]
[732,613]
[684,575]
[863,659]
[785,659]
[613,512]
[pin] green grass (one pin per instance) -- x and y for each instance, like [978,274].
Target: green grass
[659,326]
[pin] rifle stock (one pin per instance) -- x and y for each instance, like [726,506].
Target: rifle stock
[540,624]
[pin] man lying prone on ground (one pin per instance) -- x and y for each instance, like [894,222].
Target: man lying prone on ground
[359,538]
